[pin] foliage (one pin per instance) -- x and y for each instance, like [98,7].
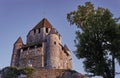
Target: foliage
[9,72]
[13,72]
[97,39]
[27,70]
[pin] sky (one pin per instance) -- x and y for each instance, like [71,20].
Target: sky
[18,17]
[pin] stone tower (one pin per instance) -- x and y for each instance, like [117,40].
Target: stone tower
[16,53]
[43,49]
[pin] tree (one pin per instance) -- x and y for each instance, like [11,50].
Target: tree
[13,72]
[9,72]
[97,39]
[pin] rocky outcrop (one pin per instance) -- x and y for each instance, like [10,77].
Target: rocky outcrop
[56,73]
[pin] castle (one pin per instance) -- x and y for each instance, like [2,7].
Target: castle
[43,49]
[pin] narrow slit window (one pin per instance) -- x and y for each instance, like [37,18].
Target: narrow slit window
[34,31]
[39,30]
[46,30]
[55,43]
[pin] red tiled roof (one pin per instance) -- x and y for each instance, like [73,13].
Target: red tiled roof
[43,23]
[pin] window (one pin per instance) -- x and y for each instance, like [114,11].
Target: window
[46,30]
[45,64]
[30,62]
[34,31]
[39,30]
[55,43]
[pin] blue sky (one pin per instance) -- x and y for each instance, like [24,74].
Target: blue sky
[17,17]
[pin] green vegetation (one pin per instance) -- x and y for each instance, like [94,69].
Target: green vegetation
[97,39]
[27,70]
[9,72]
[13,72]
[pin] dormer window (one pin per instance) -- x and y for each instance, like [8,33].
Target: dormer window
[46,30]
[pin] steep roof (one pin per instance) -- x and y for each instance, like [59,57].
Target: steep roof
[19,40]
[43,23]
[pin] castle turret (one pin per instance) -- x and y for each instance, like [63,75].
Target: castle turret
[16,53]
[52,52]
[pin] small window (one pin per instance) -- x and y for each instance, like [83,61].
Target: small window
[55,43]
[46,30]
[39,30]
[30,62]
[45,64]
[34,31]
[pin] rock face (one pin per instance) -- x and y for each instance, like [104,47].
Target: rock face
[56,73]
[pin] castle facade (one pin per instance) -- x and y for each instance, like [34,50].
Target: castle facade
[43,49]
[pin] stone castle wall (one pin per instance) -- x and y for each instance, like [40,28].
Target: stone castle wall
[31,56]
[53,51]
[56,73]
[37,35]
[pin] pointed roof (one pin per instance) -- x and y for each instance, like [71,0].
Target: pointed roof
[43,23]
[66,48]
[19,40]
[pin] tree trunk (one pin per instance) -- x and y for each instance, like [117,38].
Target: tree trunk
[108,72]
[113,65]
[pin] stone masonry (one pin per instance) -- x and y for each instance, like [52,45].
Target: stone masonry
[43,49]
[56,73]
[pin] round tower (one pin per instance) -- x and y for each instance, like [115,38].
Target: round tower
[52,52]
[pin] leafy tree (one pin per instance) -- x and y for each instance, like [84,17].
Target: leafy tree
[13,72]
[9,72]
[97,39]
